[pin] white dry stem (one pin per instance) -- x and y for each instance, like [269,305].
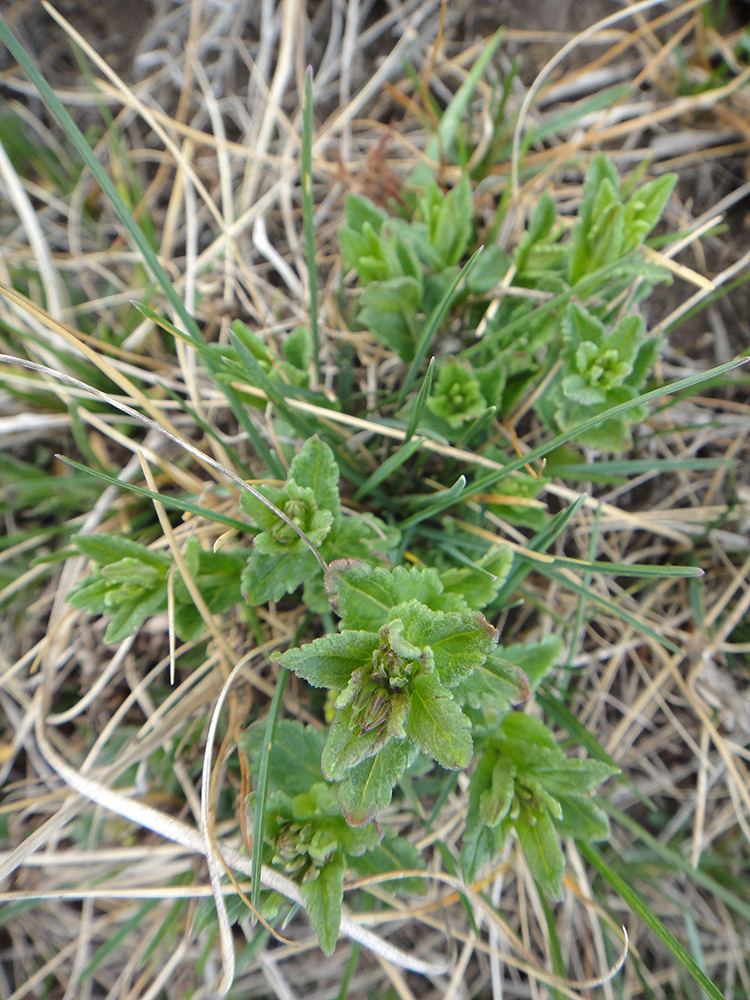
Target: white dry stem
[25,210]
[180,833]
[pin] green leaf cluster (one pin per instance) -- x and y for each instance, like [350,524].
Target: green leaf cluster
[129,584]
[405,266]
[305,834]
[525,782]
[281,559]
[600,367]
[403,644]
[572,332]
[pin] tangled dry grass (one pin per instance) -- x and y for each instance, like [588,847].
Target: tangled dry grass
[104,764]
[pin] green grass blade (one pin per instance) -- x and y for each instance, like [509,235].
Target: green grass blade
[112,943]
[259,813]
[615,608]
[675,860]
[455,113]
[443,499]
[431,326]
[102,178]
[391,464]
[520,568]
[424,393]
[640,570]
[308,208]
[582,601]
[609,471]
[171,503]
[639,907]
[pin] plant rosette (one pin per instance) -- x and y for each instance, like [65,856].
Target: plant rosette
[393,664]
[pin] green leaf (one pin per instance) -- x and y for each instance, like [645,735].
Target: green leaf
[478,848]
[572,776]
[364,595]
[323,897]
[90,594]
[535,659]
[643,210]
[541,847]
[106,549]
[460,641]
[129,613]
[495,801]
[527,732]
[315,467]
[394,854]
[217,576]
[347,745]
[329,661]
[583,819]
[269,577]
[359,210]
[494,686]
[479,581]
[294,761]
[367,788]
[437,723]
[540,226]
[387,307]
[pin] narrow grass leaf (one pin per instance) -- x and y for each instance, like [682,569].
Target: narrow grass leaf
[259,817]
[612,606]
[675,860]
[112,943]
[308,208]
[455,113]
[646,914]
[609,471]
[424,393]
[102,178]
[539,543]
[432,324]
[390,466]
[443,499]
[628,569]
[170,502]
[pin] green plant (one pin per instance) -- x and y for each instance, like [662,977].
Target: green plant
[414,673]
[411,687]
[597,354]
